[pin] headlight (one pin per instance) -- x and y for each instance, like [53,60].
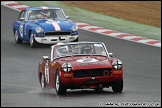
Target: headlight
[66,67]
[38,29]
[117,64]
[74,28]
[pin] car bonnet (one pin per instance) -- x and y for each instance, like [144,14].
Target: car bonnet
[87,62]
[54,25]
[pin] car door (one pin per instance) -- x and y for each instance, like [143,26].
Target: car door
[53,67]
[21,24]
[48,73]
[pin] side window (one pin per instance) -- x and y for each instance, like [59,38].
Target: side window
[22,15]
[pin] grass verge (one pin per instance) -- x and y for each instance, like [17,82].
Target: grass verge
[101,20]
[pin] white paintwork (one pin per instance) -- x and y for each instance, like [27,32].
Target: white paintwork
[48,39]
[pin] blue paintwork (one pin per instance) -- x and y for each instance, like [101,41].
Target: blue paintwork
[29,25]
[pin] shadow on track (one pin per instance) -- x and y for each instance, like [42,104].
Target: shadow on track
[76,93]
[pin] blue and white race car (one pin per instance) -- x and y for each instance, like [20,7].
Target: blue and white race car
[46,25]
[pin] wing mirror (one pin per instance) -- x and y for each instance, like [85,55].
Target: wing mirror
[67,17]
[22,19]
[111,54]
[46,58]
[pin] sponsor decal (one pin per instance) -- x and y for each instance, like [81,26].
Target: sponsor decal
[92,63]
[47,73]
[88,61]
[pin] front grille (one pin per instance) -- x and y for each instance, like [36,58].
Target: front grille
[57,33]
[92,72]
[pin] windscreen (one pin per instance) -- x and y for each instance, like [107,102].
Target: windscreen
[80,49]
[46,14]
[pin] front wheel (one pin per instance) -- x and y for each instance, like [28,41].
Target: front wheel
[17,39]
[98,89]
[60,89]
[76,40]
[42,82]
[118,86]
[33,42]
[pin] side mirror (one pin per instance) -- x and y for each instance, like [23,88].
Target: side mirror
[22,19]
[67,17]
[46,58]
[111,54]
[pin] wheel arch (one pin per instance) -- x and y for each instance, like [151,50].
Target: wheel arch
[14,30]
[29,33]
[40,74]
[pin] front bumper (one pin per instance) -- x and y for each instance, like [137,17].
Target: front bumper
[56,39]
[69,81]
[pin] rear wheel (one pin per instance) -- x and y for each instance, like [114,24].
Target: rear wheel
[60,89]
[118,86]
[17,39]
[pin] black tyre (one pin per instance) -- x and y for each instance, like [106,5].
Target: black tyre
[98,89]
[33,42]
[76,40]
[17,39]
[60,89]
[118,86]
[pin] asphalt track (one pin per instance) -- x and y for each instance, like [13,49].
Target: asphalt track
[19,66]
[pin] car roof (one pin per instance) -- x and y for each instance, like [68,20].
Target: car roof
[42,7]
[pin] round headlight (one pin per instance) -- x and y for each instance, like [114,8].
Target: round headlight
[66,67]
[38,29]
[74,28]
[117,64]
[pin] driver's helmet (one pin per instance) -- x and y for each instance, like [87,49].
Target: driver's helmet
[32,15]
[62,51]
[86,49]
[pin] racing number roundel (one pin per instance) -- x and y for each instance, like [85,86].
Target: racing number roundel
[21,30]
[47,73]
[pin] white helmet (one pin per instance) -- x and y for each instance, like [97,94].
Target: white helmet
[62,51]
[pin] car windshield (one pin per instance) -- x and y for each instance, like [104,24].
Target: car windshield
[80,49]
[46,14]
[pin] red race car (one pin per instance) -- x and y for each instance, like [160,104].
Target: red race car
[80,65]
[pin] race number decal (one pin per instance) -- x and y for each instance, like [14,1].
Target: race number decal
[47,73]
[87,60]
[25,29]
[21,30]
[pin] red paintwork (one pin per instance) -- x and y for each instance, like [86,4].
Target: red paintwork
[70,80]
